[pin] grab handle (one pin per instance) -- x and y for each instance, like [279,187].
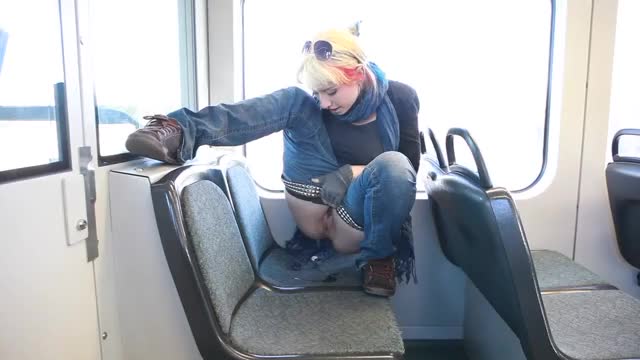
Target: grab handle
[485,180]
[616,142]
[438,150]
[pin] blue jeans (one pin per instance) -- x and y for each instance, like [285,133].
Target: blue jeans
[307,148]
[380,200]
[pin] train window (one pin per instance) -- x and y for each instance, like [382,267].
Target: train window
[33,124]
[624,111]
[137,60]
[482,65]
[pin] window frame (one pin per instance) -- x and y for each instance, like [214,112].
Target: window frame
[64,146]
[547,111]
[188,75]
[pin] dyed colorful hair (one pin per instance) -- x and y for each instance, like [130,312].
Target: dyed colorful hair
[347,65]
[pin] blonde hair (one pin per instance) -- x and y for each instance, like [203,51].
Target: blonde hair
[347,59]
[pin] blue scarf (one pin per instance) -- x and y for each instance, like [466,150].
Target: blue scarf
[375,99]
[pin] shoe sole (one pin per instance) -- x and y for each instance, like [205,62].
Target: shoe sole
[379,292]
[140,145]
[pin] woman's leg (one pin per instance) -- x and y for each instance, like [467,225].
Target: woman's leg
[176,137]
[379,201]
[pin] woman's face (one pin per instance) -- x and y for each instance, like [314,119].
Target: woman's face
[338,99]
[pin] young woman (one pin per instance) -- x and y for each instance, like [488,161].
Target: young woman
[351,152]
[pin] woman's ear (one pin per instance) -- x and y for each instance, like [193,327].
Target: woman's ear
[362,74]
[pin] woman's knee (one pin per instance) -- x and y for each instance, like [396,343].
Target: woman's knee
[395,168]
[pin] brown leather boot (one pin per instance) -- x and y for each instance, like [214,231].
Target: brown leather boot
[159,139]
[380,277]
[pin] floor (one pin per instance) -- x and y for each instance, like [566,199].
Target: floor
[434,350]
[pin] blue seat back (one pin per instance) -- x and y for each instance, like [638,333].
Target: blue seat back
[480,231]
[249,214]
[623,186]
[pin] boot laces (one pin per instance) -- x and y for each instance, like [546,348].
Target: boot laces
[162,124]
[382,268]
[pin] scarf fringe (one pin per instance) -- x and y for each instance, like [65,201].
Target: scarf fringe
[405,258]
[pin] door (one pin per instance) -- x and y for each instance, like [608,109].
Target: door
[48,302]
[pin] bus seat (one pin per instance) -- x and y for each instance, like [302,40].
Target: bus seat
[251,221]
[274,264]
[481,232]
[623,186]
[555,271]
[230,313]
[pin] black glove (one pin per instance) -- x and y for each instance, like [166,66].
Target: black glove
[334,185]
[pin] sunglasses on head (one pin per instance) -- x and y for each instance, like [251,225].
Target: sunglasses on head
[322,49]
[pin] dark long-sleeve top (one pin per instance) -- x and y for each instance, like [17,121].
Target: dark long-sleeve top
[359,144]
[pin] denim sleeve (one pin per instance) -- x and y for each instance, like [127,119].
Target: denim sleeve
[244,121]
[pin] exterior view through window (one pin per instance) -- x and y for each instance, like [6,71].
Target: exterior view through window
[481,65]
[136,65]
[31,74]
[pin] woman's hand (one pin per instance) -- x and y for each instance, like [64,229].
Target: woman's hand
[334,185]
